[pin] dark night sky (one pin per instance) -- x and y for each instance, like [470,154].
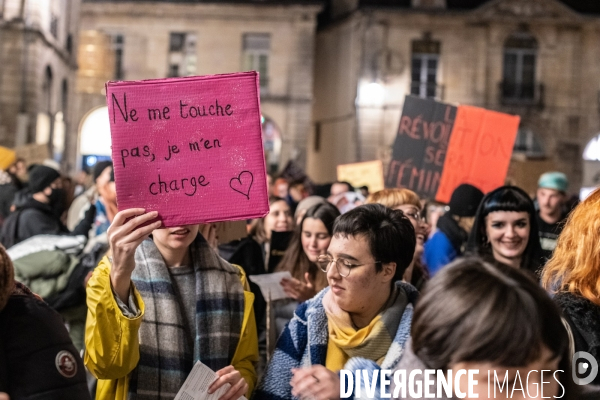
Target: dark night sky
[582,6]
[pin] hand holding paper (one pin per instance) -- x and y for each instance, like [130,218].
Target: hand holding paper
[204,384]
[229,376]
[297,290]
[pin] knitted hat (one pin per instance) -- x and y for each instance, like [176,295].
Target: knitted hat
[41,177]
[554,180]
[465,200]
[7,157]
[100,167]
[308,202]
[7,277]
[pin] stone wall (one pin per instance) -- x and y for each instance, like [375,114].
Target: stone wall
[470,72]
[219,30]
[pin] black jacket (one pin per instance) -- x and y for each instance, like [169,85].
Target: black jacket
[583,318]
[37,358]
[247,253]
[7,195]
[456,235]
[34,218]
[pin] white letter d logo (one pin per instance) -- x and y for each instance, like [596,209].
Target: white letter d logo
[583,367]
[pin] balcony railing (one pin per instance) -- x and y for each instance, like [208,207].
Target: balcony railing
[512,94]
[429,90]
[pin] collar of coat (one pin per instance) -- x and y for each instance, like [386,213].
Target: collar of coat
[312,315]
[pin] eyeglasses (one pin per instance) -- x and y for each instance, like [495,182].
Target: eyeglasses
[415,216]
[433,208]
[343,266]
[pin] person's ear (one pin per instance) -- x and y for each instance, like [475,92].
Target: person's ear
[388,272]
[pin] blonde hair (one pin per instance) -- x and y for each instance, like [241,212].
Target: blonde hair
[392,198]
[257,226]
[575,265]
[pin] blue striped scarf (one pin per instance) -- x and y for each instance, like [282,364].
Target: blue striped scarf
[165,355]
[304,343]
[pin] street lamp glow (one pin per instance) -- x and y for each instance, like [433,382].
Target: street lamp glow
[372,94]
[592,150]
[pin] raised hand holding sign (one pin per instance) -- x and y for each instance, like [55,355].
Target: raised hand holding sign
[184,145]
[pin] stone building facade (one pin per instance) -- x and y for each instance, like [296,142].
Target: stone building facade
[178,38]
[538,59]
[38,43]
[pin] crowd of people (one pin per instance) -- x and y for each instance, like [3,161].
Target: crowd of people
[503,281]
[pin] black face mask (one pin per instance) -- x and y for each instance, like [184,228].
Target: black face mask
[57,201]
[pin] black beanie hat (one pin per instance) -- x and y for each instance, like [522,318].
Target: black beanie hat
[99,167]
[41,177]
[465,200]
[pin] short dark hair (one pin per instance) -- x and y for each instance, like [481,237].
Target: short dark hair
[507,198]
[474,311]
[390,234]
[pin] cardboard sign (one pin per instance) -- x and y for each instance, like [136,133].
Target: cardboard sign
[479,152]
[33,153]
[189,148]
[229,231]
[420,147]
[591,173]
[440,146]
[368,173]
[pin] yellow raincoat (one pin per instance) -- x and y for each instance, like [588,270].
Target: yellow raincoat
[112,342]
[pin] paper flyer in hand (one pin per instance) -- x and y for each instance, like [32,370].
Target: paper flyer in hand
[197,383]
[270,285]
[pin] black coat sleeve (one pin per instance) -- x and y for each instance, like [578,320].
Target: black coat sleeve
[84,226]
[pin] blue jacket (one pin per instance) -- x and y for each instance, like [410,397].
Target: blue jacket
[304,343]
[438,252]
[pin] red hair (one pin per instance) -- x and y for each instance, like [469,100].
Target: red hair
[575,265]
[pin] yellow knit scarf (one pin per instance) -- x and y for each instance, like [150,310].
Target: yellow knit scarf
[371,342]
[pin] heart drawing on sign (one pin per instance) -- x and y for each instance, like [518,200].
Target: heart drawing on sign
[242,183]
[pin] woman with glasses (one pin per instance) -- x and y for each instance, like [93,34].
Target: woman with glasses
[409,203]
[366,311]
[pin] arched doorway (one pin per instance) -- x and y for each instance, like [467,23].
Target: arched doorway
[94,137]
[591,167]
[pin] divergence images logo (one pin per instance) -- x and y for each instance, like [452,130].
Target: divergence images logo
[582,368]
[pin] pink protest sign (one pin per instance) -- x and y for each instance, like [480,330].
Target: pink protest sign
[189,148]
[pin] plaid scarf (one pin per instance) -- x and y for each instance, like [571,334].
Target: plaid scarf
[165,355]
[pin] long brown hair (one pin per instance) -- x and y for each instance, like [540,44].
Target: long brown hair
[575,265]
[295,260]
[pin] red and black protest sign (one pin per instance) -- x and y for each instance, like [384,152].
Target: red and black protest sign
[440,146]
[421,145]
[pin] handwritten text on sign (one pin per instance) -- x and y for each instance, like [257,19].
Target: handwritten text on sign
[189,148]
[421,145]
